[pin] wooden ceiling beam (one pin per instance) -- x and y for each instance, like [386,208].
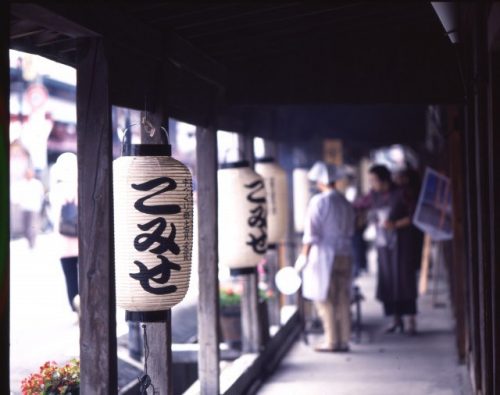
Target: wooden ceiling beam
[26,33]
[82,20]
[49,20]
[280,21]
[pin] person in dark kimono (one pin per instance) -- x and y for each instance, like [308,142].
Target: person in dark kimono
[391,211]
[408,246]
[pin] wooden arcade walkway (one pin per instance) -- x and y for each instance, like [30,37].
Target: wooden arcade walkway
[381,363]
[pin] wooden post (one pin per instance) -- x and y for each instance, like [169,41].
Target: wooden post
[159,343]
[208,305]
[460,276]
[159,334]
[272,263]
[245,145]
[272,255]
[250,319]
[475,357]
[494,184]
[470,217]
[96,258]
[494,147]
[4,198]
[424,271]
[483,204]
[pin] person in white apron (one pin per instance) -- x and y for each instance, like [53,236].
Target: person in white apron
[325,260]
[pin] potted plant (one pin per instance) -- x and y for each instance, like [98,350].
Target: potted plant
[54,380]
[230,315]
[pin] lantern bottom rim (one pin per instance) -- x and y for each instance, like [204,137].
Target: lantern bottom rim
[242,271]
[146,316]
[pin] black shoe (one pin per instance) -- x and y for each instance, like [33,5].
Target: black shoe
[399,327]
[342,348]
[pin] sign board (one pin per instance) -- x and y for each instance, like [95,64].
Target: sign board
[434,209]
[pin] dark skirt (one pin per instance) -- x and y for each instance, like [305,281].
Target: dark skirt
[406,307]
[397,280]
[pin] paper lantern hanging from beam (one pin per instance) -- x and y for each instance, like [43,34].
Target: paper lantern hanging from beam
[153,230]
[301,196]
[275,179]
[242,217]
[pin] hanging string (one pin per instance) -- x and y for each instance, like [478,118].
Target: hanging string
[145,122]
[145,380]
[148,126]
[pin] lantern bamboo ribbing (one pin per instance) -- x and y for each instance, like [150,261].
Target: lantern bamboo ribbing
[153,226]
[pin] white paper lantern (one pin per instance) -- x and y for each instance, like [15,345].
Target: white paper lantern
[301,196]
[153,227]
[242,217]
[277,198]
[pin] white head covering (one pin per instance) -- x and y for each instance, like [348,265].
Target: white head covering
[66,167]
[325,173]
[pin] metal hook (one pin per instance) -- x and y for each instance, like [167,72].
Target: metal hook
[148,126]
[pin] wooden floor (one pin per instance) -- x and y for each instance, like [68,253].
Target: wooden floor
[381,363]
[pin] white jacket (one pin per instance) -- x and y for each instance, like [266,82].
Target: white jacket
[329,226]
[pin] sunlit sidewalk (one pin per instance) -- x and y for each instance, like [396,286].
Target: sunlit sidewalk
[43,327]
[381,364]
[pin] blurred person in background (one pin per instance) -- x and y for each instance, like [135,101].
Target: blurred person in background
[325,260]
[409,237]
[28,193]
[64,210]
[391,211]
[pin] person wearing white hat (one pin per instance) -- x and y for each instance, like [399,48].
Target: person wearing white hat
[325,260]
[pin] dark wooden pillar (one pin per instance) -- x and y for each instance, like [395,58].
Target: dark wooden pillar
[458,262]
[159,341]
[250,319]
[158,337]
[96,259]
[245,145]
[483,203]
[271,149]
[208,305]
[470,199]
[4,198]
[494,191]
[273,253]
[472,249]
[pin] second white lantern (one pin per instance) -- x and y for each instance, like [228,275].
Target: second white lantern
[242,217]
[277,198]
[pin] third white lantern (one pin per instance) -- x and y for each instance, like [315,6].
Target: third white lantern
[277,198]
[301,196]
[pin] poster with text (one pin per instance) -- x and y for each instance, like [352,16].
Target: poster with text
[434,209]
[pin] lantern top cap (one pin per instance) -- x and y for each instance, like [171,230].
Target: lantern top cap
[148,150]
[235,165]
[266,159]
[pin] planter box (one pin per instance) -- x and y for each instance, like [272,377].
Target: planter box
[230,325]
